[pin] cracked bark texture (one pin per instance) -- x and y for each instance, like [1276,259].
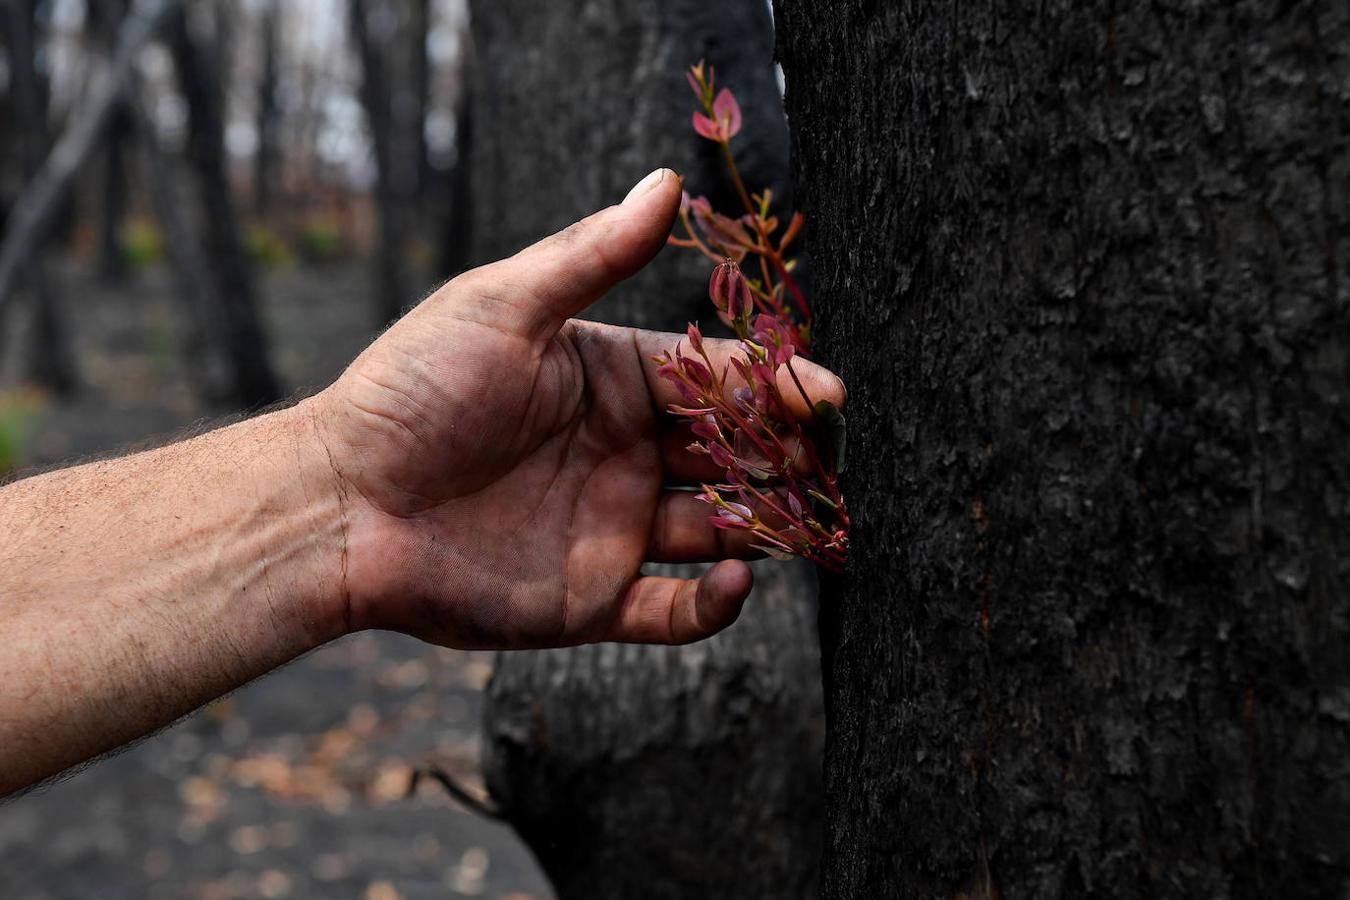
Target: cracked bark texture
[1082,265]
[645,771]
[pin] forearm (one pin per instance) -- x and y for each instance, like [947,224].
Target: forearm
[136,589]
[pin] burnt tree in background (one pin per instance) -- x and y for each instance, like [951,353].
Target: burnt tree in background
[50,358]
[198,63]
[454,203]
[419,30]
[104,22]
[374,29]
[644,771]
[1083,267]
[267,160]
[35,212]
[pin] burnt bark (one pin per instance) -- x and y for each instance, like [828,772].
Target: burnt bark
[419,31]
[378,101]
[51,361]
[644,771]
[35,211]
[105,22]
[456,204]
[669,772]
[198,66]
[268,158]
[112,263]
[204,350]
[1082,265]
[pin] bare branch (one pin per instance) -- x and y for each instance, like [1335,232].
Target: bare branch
[36,207]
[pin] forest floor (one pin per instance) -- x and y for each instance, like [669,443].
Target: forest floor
[295,786]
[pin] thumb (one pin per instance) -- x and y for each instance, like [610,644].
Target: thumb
[534,292]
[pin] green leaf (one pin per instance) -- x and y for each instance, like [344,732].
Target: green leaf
[836,429]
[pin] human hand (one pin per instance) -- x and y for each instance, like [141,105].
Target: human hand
[505,470]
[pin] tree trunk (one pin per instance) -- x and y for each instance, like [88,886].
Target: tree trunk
[35,211]
[199,74]
[51,362]
[456,206]
[1082,266]
[377,99]
[419,31]
[644,771]
[268,157]
[112,264]
[104,23]
[206,357]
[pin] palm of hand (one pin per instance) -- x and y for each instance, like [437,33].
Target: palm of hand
[530,497]
[506,470]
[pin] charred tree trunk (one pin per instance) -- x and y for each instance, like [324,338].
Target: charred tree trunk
[644,771]
[206,357]
[112,264]
[199,74]
[51,361]
[377,99]
[35,212]
[105,23]
[456,206]
[268,157]
[1082,265]
[420,32]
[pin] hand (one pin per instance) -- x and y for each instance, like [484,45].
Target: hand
[506,471]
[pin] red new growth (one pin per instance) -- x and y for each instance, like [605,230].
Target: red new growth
[725,120]
[780,485]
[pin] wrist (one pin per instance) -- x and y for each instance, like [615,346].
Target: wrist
[306,560]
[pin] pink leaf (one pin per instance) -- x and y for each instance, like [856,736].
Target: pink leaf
[763,373]
[738,510]
[741,303]
[728,113]
[695,338]
[697,372]
[704,430]
[706,127]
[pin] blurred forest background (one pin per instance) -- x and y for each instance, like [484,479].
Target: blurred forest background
[208,207]
[273,184]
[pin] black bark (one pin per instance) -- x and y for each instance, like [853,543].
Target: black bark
[456,204]
[35,211]
[204,349]
[199,78]
[669,772]
[419,31]
[377,100]
[105,22]
[268,158]
[112,263]
[1082,265]
[51,361]
[644,771]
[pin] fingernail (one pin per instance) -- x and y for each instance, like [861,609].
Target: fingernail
[646,184]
